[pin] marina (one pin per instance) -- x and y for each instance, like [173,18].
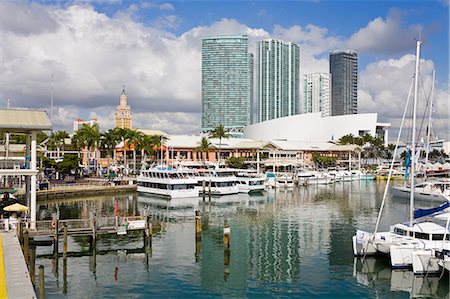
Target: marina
[282,243]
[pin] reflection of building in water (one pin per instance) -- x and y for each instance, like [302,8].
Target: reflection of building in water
[271,249]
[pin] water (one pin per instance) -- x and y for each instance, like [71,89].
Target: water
[283,244]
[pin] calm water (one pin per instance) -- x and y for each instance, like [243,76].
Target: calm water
[283,244]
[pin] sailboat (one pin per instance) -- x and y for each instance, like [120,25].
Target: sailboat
[403,238]
[427,190]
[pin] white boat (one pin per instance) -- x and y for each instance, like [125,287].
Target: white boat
[249,182]
[431,190]
[284,181]
[403,239]
[222,181]
[313,178]
[167,181]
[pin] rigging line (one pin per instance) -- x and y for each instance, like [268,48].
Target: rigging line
[425,111]
[393,158]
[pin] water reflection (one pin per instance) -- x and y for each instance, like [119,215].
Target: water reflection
[283,243]
[377,274]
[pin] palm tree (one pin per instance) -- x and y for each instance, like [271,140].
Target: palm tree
[57,140]
[134,137]
[219,132]
[203,147]
[108,143]
[121,134]
[159,142]
[88,137]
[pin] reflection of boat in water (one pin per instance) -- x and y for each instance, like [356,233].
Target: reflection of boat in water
[377,273]
[166,203]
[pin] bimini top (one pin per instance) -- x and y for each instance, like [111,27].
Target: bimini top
[23,121]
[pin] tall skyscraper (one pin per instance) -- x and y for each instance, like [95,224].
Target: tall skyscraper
[227,84]
[278,79]
[123,112]
[316,93]
[344,82]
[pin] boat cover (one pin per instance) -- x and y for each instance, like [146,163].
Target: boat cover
[425,212]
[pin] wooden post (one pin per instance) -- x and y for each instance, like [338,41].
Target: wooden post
[65,241]
[209,190]
[204,190]
[94,229]
[148,233]
[20,231]
[65,271]
[25,246]
[56,238]
[198,226]
[33,264]
[226,237]
[41,282]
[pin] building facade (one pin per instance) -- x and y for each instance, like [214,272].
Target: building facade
[123,112]
[78,123]
[278,79]
[344,82]
[316,94]
[227,84]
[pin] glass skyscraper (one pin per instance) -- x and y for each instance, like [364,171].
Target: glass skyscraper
[316,93]
[227,82]
[278,79]
[344,82]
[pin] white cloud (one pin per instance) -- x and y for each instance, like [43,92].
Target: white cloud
[384,86]
[92,55]
[160,6]
[384,36]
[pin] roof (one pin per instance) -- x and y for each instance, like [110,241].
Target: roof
[23,121]
[249,144]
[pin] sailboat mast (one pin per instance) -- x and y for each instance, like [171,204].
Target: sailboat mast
[427,151]
[413,142]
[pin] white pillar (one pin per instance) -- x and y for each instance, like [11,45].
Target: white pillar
[386,137]
[33,180]
[27,177]
[257,160]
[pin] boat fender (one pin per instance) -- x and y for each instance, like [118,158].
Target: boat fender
[53,223]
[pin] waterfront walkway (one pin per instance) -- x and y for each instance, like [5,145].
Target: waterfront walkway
[15,279]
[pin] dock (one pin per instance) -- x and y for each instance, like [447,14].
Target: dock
[15,281]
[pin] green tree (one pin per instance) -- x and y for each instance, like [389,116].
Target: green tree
[323,161]
[57,141]
[134,137]
[108,143]
[88,137]
[220,132]
[70,163]
[203,147]
[235,162]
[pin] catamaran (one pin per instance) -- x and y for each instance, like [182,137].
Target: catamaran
[420,232]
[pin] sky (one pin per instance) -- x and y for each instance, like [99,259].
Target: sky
[93,48]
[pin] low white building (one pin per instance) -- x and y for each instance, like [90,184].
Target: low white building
[312,127]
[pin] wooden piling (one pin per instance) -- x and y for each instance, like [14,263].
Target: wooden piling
[209,191]
[26,246]
[226,237]
[204,190]
[198,226]
[65,241]
[41,282]
[33,264]
[148,233]
[56,237]
[20,231]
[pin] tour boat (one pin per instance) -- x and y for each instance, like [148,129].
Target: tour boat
[249,182]
[220,181]
[167,181]
[313,178]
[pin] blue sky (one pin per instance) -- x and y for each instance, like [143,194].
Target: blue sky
[92,48]
[342,18]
